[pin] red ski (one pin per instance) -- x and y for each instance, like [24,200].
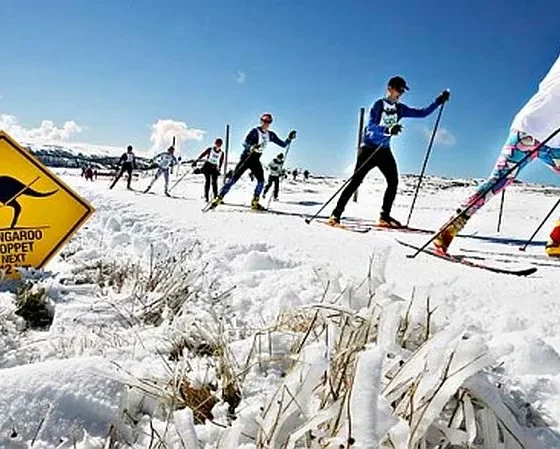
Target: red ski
[456,258]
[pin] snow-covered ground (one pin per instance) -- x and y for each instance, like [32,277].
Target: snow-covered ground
[229,273]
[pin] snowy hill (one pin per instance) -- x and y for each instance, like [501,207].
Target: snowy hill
[75,155]
[234,329]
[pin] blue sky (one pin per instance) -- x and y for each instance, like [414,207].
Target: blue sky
[116,67]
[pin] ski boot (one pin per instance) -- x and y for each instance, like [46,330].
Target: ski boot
[334,220]
[255,205]
[446,236]
[216,202]
[553,245]
[386,221]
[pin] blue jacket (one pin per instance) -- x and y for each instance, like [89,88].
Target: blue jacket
[253,139]
[383,114]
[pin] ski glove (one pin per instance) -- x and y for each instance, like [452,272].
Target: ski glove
[395,129]
[443,97]
[292,134]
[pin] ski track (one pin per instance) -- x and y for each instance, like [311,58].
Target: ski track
[276,261]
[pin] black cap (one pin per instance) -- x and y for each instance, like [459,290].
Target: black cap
[129,148]
[398,82]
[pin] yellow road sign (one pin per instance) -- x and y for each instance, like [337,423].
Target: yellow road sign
[38,212]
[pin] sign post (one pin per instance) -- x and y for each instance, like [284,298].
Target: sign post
[360,131]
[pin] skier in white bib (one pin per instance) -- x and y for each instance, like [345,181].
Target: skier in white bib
[166,161]
[255,143]
[276,168]
[214,159]
[537,120]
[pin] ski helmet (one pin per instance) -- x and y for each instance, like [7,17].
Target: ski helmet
[398,83]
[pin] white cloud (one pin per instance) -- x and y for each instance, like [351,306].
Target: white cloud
[443,136]
[164,130]
[240,77]
[46,132]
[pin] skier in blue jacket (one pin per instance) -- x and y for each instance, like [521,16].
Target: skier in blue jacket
[375,151]
[255,143]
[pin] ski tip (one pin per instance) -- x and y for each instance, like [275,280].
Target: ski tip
[308,221]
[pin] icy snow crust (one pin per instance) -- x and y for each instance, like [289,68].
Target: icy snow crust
[68,384]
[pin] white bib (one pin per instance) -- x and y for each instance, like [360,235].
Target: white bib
[389,116]
[264,138]
[214,156]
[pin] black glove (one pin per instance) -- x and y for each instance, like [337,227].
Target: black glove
[395,129]
[292,134]
[443,97]
[193,164]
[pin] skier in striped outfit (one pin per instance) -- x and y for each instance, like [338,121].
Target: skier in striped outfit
[533,124]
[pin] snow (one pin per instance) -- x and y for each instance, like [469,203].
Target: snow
[235,272]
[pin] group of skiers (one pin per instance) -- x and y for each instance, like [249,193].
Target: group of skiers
[530,137]
[213,157]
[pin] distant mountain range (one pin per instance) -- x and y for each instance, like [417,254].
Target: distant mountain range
[81,155]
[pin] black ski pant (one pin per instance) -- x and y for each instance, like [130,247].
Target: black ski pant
[211,174]
[369,158]
[273,180]
[126,167]
[248,161]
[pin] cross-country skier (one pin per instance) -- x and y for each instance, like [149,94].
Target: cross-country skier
[214,159]
[128,163]
[383,123]
[89,173]
[275,168]
[255,143]
[536,120]
[165,161]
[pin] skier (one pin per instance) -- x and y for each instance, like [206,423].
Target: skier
[214,159]
[89,173]
[295,174]
[255,143]
[536,120]
[165,162]
[275,167]
[306,175]
[383,123]
[128,161]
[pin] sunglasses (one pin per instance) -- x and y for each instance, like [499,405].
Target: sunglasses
[266,120]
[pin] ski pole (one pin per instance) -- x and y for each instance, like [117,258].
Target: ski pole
[524,247]
[500,179]
[424,165]
[501,210]
[373,153]
[181,178]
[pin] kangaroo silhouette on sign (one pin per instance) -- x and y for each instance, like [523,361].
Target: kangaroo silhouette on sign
[11,189]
